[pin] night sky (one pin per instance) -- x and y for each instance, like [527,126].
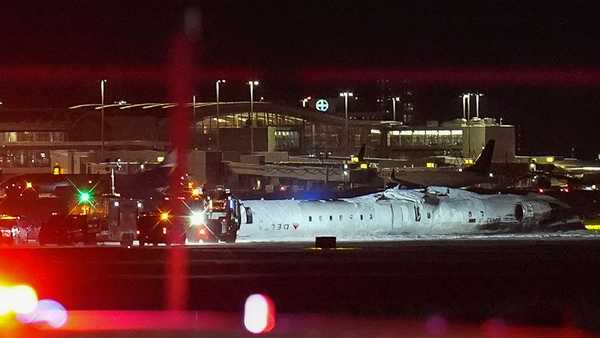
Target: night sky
[536,63]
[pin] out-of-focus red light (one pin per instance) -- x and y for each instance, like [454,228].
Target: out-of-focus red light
[47,311]
[19,299]
[4,300]
[495,327]
[436,325]
[259,314]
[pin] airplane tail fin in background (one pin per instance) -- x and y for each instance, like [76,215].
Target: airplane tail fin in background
[149,182]
[394,178]
[170,159]
[361,153]
[483,163]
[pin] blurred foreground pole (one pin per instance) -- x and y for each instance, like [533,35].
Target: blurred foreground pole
[180,87]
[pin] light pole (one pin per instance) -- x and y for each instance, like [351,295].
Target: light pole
[477,95]
[217,85]
[305,101]
[468,106]
[394,100]
[467,102]
[464,105]
[346,95]
[194,111]
[252,83]
[102,85]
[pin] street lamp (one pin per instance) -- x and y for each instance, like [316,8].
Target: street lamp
[477,95]
[305,101]
[217,85]
[394,100]
[346,95]
[464,105]
[102,85]
[467,102]
[194,111]
[252,83]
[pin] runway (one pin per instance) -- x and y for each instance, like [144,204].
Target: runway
[529,278]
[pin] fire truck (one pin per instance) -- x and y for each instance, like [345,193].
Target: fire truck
[216,221]
[80,222]
[209,217]
[160,226]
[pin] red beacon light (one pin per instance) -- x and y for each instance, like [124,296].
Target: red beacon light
[259,314]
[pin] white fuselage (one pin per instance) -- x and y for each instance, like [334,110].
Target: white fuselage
[442,211]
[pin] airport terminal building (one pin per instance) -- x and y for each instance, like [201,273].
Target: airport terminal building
[138,133]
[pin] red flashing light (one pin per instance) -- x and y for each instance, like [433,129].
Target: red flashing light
[259,314]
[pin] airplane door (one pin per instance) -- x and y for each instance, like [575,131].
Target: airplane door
[397,216]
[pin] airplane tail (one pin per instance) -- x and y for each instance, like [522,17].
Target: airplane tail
[483,163]
[394,178]
[170,159]
[148,182]
[361,153]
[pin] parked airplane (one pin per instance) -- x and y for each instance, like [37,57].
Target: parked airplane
[394,211]
[449,177]
[151,182]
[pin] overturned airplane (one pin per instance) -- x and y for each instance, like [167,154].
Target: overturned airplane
[434,210]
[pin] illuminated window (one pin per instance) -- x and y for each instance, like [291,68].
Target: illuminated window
[248,216]
[12,136]
[24,136]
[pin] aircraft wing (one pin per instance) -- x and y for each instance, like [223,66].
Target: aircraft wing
[405,183]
